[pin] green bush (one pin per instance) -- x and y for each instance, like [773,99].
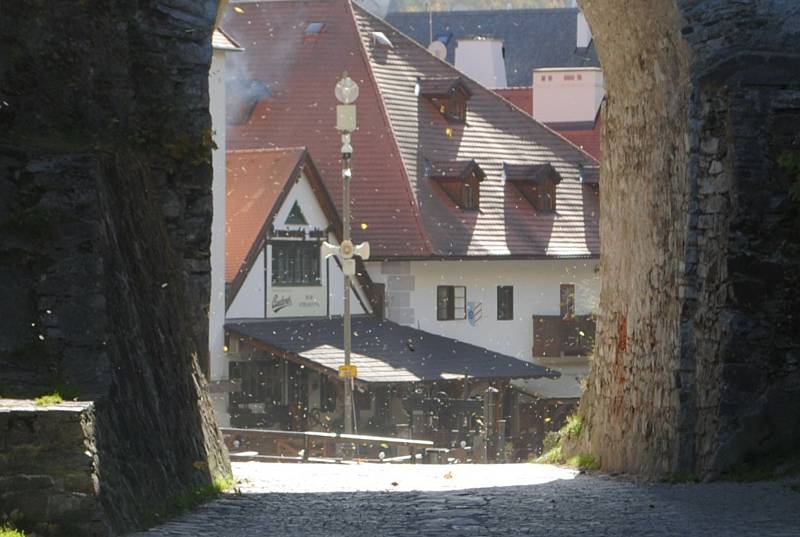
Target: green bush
[584,461]
[553,447]
[50,399]
[8,531]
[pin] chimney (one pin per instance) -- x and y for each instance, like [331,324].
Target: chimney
[583,34]
[483,60]
[567,95]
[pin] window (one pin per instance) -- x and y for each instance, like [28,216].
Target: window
[469,196]
[505,302]
[567,300]
[545,196]
[451,302]
[314,28]
[295,263]
[456,108]
[296,216]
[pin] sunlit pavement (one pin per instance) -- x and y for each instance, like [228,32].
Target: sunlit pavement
[298,478]
[295,500]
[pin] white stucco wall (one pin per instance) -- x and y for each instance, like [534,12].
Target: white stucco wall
[536,292]
[218,367]
[411,296]
[249,302]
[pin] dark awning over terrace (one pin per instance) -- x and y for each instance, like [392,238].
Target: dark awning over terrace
[383,351]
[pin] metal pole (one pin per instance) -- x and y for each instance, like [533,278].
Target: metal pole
[348,384]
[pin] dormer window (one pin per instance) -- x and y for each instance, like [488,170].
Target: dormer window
[448,95]
[536,182]
[460,179]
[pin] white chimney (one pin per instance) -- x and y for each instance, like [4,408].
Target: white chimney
[584,34]
[567,94]
[482,59]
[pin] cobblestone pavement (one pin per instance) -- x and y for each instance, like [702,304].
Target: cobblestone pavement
[318,500]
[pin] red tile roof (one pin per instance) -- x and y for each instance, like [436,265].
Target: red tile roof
[587,136]
[404,215]
[301,75]
[254,181]
[521,97]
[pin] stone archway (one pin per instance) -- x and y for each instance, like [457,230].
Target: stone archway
[696,365]
[105,182]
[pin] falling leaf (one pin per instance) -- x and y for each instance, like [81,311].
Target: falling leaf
[200,465]
[364,225]
[548,419]
[395,483]
[237,9]
[448,475]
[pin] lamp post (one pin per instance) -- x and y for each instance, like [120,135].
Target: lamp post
[346,92]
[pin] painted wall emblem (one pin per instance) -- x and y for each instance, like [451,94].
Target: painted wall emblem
[278,303]
[474,312]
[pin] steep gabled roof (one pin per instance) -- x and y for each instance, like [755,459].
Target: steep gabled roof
[494,133]
[532,38]
[301,74]
[258,181]
[394,206]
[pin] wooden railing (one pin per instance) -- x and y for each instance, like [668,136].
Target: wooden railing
[271,444]
[556,336]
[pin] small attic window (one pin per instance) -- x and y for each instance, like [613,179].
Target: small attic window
[460,180]
[314,28]
[448,95]
[296,216]
[536,182]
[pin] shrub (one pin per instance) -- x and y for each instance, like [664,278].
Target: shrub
[50,399]
[8,531]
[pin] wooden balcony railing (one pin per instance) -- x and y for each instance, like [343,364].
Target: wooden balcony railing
[557,336]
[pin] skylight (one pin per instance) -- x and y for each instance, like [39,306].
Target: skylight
[314,28]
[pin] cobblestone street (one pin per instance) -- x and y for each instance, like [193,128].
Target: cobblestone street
[295,500]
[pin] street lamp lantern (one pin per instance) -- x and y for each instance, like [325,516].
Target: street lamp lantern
[346,92]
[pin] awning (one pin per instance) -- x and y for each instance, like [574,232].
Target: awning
[383,351]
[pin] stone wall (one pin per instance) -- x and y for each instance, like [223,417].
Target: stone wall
[696,366]
[47,462]
[105,212]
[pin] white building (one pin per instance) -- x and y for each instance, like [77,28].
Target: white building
[222,45]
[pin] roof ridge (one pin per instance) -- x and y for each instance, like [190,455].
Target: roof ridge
[485,11]
[385,114]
